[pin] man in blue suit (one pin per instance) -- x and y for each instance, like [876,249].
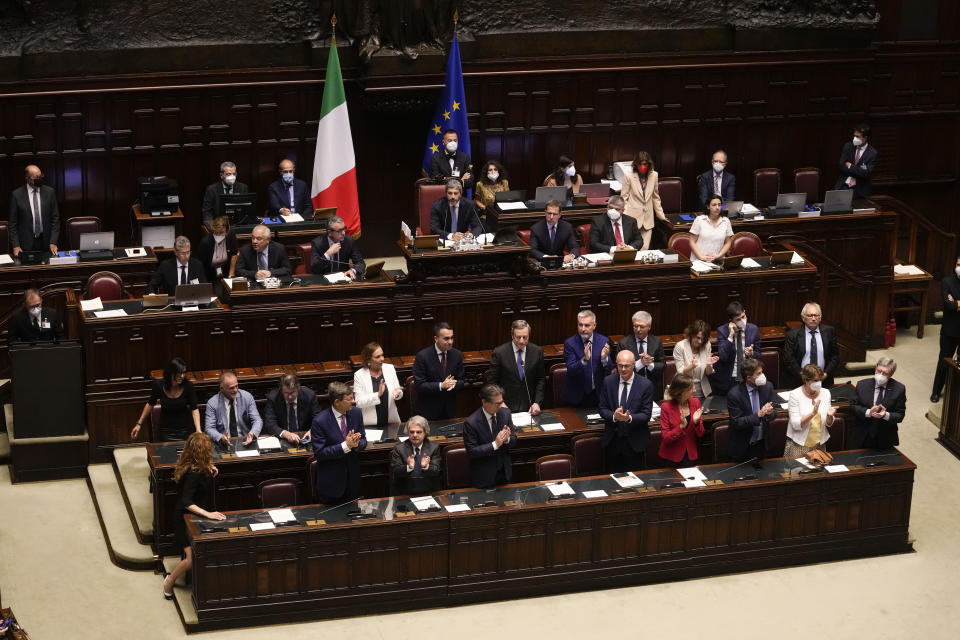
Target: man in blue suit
[736,341]
[750,405]
[288,194]
[552,235]
[588,360]
[437,374]
[451,217]
[337,436]
[231,413]
[488,435]
[717,180]
[626,402]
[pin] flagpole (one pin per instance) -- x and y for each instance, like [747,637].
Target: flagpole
[333,28]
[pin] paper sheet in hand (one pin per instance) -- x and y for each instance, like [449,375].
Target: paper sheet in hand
[260,526]
[6,258]
[293,217]
[424,502]
[561,489]
[374,435]
[279,516]
[334,278]
[835,468]
[599,493]
[91,305]
[512,206]
[796,259]
[595,257]
[627,480]
[249,453]
[692,473]
[112,313]
[689,484]
[521,418]
[553,426]
[749,263]
[268,442]
[453,508]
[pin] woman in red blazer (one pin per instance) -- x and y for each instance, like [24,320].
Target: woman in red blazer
[681,423]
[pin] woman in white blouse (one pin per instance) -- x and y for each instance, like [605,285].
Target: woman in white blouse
[810,414]
[376,388]
[711,233]
[692,356]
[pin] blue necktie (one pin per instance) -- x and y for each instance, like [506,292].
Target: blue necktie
[262,260]
[624,394]
[520,363]
[757,434]
[553,238]
[453,218]
[590,385]
[292,202]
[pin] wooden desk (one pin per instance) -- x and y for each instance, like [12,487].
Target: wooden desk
[290,234]
[908,286]
[439,265]
[329,564]
[576,215]
[950,414]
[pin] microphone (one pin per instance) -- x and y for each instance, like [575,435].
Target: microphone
[746,462]
[878,463]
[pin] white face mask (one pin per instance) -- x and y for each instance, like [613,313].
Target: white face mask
[718,166]
[452,146]
[857,141]
[957,271]
[815,386]
[760,380]
[493,175]
[881,379]
[570,171]
[741,324]
[229,180]
[35,311]
[219,239]
[613,214]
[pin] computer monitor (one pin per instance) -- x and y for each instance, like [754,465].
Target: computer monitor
[514,195]
[546,194]
[791,201]
[159,193]
[241,208]
[188,295]
[839,200]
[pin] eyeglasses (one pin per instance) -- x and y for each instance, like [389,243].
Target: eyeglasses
[332,230]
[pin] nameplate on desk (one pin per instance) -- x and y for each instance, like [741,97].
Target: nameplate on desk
[511,503]
[314,523]
[248,454]
[135,252]
[530,429]
[713,483]
[297,450]
[434,438]
[237,529]
[553,426]
[152,300]
[190,308]
[237,284]
[404,514]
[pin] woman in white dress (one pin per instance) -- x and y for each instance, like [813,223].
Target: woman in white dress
[810,414]
[711,233]
[376,388]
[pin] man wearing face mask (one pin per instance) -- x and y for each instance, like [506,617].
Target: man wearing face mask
[949,329]
[750,405]
[856,164]
[451,217]
[717,180]
[614,231]
[34,221]
[227,185]
[34,322]
[448,162]
[736,341]
[878,407]
[288,195]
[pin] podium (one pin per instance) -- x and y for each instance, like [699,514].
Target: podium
[950,417]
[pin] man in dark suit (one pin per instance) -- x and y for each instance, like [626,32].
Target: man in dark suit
[798,351]
[613,231]
[289,409]
[450,163]
[437,374]
[338,436]
[551,236]
[878,407]
[588,359]
[34,223]
[488,435]
[288,194]
[751,410]
[262,258]
[227,185]
[415,462]
[736,341]
[647,349]
[626,402]
[34,323]
[517,366]
[857,161]
[180,269]
[717,180]
[949,328]
[453,216]
[336,251]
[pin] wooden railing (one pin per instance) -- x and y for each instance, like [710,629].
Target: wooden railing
[928,246]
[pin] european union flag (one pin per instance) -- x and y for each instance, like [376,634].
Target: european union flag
[451,111]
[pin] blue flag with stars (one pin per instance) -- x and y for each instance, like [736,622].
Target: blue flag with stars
[451,111]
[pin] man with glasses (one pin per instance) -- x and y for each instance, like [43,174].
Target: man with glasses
[35,322]
[717,180]
[336,252]
[262,258]
[626,402]
[613,231]
[34,216]
[180,269]
[232,413]
[810,343]
[288,194]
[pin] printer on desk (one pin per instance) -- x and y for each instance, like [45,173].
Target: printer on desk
[159,196]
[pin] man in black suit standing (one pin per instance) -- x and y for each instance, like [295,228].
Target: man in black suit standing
[453,216]
[450,163]
[262,258]
[34,323]
[488,435]
[34,222]
[289,409]
[750,405]
[288,194]
[180,269]
[717,180]
[878,407]
[949,328]
[626,402]
[857,161]
[552,235]
[517,366]
[647,349]
[227,185]
[336,251]
[415,462]
[613,231]
[437,374]
[811,342]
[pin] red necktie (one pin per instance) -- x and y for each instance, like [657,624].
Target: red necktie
[616,233]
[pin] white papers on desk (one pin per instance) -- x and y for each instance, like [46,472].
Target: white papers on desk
[749,208]
[112,313]
[627,480]
[553,426]
[91,305]
[521,418]
[279,516]
[5,258]
[614,184]
[135,252]
[268,442]
[374,435]
[655,411]
[692,473]
[796,259]
[334,278]
[512,206]
[805,462]
[835,468]
[484,238]
[907,270]
[704,267]
[405,229]
[260,526]
[593,416]
[599,493]
[656,253]
[248,453]
[190,308]
[560,489]
[689,484]
[596,257]
[453,508]
[424,503]
[293,217]
[749,263]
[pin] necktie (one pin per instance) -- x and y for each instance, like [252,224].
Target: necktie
[36,322]
[520,363]
[262,261]
[343,425]
[416,462]
[624,394]
[453,218]
[739,359]
[616,233]
[590,385]
[292,417]
[292,202]
[37,221]
[851,181]
[757,434]
[717,180]
[814,354]
[880,395]
[493,425]
[233,419]
[857,157]
[183,274]
[553,237]
[229,191]
[443,364]
[641,349]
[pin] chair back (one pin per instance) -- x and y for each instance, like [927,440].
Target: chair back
[652,455]
[304,251]
[720,442]
[78,225]
[680,242]
[587,451]
[777,437]
[669,372]
[312,474]
[456,468]
[807,180]
[583,235]
[766,186]
[524,235]
[428,192]
[4,238]
[279,493]
[410,391]
[671,194]
[770,358]
[838,434]
[558,375]
[558,466]
[105,285]
[745,244]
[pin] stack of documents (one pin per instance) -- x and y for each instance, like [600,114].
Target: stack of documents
[511,206]
[907,270]
[425,503]
[704,267]
[282,516]
[627,480]
[560,489]
[293,217]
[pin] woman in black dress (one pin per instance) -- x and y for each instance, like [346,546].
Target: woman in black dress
[192,474]
[179,412]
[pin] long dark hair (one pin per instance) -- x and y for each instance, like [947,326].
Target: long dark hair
[498,167]
[175,367]
[558,174]
[642,157]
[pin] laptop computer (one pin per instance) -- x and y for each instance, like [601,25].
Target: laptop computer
[733,208]
[546,194]
[598,190]
[837,201]
[624,256]
[789,204]
[189,295]
[514,195]
[780,257]
[374,270]
[96,246]
[732,262]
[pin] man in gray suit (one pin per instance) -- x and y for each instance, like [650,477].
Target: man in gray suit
[232,412]
[415,462]
[648,351]
[34,215]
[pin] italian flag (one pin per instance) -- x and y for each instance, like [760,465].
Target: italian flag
[334,165]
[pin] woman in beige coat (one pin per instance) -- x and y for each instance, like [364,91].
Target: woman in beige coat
[641,191]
